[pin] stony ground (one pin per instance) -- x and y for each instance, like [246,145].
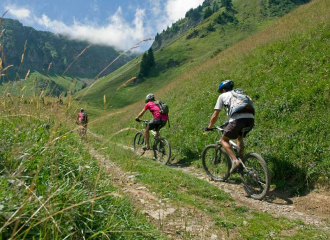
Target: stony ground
[312,208]
[177,222]
[183,222]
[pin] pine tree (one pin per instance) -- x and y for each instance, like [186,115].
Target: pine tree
[208,12]
[144,68]
[215,7]
[227,4]
[151,58]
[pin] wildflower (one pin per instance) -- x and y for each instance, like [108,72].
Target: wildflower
[130,183]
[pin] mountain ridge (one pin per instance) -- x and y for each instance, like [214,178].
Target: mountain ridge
[50,53]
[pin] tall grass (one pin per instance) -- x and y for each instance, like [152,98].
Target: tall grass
[51,187]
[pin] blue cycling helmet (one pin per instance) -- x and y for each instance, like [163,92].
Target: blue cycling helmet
[150,96]
[227,84]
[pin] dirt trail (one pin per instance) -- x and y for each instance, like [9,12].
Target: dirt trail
[313,208]
[178,222]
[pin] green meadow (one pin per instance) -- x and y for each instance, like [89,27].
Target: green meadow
[284,68]
[54,188]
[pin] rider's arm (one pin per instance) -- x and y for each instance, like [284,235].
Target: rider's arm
[141,113]
[214,118]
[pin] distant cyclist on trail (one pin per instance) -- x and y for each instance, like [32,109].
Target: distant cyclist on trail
[240,113]
[157,123]
[82,118]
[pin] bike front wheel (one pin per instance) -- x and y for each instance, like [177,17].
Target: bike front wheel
[255,176]
[216,163]
[162,151]
[138,143]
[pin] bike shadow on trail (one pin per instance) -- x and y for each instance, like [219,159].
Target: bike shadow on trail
[282,188]
[287,181]
[275,196]
[278,197]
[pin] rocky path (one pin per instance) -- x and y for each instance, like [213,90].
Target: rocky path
[178,222]
[313,208]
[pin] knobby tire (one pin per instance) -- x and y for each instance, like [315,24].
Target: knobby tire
[138,143]
[217,168]
[162,151]
[255,176]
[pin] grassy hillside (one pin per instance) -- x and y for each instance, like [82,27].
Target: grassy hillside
[184,54]
[285,70]
[37,83]
[51,187]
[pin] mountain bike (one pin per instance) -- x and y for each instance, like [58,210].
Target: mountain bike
[253,170]
[161,146]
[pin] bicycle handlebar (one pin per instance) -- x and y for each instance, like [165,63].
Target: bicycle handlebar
[220,128]
[139,120]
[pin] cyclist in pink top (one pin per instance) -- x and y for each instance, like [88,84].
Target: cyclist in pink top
[157,123]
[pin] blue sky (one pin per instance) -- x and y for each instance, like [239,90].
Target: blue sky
[118,23]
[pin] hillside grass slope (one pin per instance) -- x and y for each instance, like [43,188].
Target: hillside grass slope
[44,85]
[285,70]
[184,53]
[51,186]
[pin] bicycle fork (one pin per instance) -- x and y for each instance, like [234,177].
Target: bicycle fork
[217,149]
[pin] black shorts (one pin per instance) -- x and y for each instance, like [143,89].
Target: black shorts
[234,128]
[157,124]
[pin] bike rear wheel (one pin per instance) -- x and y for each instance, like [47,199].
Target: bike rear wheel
[162,151]
[255,176]
[138,143]
[216,163]
[82,131]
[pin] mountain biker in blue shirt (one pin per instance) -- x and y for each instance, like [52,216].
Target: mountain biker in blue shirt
[236,123]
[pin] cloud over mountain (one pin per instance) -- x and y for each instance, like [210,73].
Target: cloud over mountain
[116,30]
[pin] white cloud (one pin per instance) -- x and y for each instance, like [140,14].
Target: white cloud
[19,13]
[177,9]
[171,11]
[117,31]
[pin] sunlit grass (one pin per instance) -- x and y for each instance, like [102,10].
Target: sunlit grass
[284,70]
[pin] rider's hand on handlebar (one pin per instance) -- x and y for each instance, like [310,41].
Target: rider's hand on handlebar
[207,129]
[137,119]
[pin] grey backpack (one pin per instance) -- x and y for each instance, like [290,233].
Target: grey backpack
[240,103]
[164,109]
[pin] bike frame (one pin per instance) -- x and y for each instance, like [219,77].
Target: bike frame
[256,178]
[234,146]
[154,133]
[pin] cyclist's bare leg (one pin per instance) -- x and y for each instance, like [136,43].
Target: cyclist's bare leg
[240,143]
[227,147]
[146,136]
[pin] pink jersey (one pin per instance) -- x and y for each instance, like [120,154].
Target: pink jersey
[80,116]
[154,109]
